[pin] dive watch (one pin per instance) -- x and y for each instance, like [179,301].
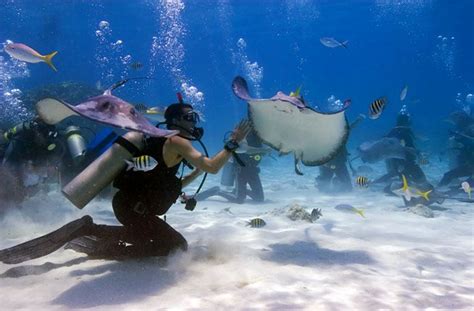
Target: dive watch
[231,145]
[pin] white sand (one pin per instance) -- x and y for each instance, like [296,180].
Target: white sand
[391,259]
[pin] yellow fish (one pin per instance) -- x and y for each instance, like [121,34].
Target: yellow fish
[296,93]
[25,53]
[407,193]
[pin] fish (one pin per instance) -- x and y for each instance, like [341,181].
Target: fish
[347,208]
[467,188]
[106,108]
[256,223]
[296,93]
[24,53]
[409,192]
[423,160]
[403,93]
[288,126]
[316,214]
[142,163]
[136,66]
[377,107]
[141,107]
[333,43]
[362,181]
[382,149]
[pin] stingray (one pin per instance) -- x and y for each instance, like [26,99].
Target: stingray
[382,149]
[106,108]
[287,125]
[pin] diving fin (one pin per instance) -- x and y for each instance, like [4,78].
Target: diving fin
[46,244]
[101,248]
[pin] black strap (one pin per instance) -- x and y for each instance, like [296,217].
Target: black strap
[127,145]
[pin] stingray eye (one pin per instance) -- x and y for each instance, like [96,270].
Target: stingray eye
[133,112]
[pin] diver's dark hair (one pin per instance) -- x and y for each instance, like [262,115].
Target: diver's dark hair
[175,111]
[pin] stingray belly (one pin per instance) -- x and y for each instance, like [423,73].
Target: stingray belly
[313,137]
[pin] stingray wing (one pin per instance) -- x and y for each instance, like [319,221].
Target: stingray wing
[105,109]
[313,137]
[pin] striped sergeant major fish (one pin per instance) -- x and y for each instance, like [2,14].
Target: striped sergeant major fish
[377,107]
[362,181]
[256,223]
[142,163]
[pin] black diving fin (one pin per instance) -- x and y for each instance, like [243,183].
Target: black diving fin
[48,243]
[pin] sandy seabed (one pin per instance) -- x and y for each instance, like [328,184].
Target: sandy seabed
[392,259]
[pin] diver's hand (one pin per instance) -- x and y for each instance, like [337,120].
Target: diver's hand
[241,130]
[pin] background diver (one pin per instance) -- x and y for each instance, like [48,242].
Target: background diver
[334,175]
[234,173]
[142,196]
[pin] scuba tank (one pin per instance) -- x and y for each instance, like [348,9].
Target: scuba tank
[75,143]
[228,174]
[102,171]
[17,129]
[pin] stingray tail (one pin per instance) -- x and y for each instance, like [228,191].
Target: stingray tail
[46,244]
[48,60]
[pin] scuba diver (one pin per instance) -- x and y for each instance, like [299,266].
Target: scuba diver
[242,170]
[30,149]
[463,137]
[408,167]
[334,175]
[141,197]
[34,151]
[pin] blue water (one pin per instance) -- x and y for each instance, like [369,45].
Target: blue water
[427,45]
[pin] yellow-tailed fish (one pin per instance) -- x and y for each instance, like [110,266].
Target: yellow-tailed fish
[25,53]
[408,193]
[467,188]
[296,93]
[377,107]
[142,163]
[155,110]
[347,208]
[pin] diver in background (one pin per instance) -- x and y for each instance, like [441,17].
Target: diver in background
[463,137]
[35,151]
[408,167]
[334,175]
[234,173]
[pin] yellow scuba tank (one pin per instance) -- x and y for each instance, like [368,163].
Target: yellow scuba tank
[101,172]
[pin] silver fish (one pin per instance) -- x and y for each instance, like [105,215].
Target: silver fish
[403,93]
[333,43]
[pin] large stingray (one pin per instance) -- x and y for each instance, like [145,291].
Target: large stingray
[382,149]
[106,108]
[287,125]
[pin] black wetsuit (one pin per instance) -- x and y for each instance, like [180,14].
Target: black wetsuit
[142,196]
[334,175]
[407,167]
[244,175]
[465,159]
